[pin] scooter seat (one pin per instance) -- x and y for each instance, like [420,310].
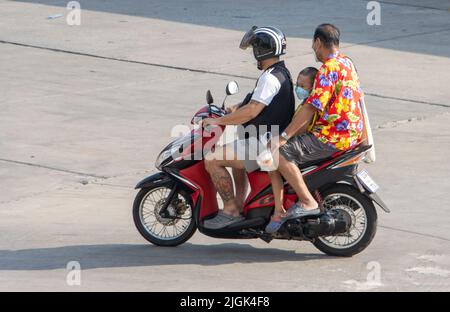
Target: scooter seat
[340,154]
[315,162]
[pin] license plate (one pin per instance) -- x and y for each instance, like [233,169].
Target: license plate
[367,181]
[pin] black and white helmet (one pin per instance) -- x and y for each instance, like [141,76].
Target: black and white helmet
[267,42]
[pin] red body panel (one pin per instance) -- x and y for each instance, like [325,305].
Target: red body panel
[264,201]
[289,200]
[198,176]
[258,180]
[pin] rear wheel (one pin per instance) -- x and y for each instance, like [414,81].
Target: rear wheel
[174,228]
[349,201]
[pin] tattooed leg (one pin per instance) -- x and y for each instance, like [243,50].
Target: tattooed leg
[224,185]
[221,179]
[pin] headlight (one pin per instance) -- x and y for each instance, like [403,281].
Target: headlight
[162,157]
[175,149]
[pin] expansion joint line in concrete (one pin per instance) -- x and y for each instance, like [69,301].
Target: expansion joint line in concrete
[207,71]
[53,168]
[201,71]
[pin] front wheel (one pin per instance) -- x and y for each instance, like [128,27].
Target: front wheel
[175,227]
[363,215]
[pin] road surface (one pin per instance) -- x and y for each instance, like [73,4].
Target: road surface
[85,110]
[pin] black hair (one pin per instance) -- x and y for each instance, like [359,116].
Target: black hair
[328,34]
[309,72]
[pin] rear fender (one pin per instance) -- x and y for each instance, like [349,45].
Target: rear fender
[353,181]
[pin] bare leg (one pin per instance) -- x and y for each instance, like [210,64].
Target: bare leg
[277,187]
[221,179]
[294,177]
[240,181]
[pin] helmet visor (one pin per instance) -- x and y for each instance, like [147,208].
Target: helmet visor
[248,38]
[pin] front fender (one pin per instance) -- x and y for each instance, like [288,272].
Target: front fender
[157,179]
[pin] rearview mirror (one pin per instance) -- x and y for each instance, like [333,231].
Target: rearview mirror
[209,98]
[232,88]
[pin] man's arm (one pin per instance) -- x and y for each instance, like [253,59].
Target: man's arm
[301,120]
[238,117]
[266,89]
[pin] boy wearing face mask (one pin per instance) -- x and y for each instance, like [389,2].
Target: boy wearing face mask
[303,88]
[305,83]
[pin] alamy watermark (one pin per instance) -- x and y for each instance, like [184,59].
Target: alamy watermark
[74,16]
[374,275]
[73,277]
[372,271]
[374,16]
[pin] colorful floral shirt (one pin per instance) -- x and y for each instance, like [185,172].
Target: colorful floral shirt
[336,95]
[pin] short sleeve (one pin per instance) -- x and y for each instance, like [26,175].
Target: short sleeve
[267,87]
[323,88]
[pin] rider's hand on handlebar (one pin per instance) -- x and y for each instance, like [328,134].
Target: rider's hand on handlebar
[209,122]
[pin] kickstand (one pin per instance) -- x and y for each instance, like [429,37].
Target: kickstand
[266,237]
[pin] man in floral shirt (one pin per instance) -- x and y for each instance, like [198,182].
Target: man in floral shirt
[335,98]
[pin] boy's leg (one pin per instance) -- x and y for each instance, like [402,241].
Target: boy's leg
[291,172]
[277,188]
[293,176]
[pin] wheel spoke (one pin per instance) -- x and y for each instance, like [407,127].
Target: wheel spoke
[157,226]
[357,214]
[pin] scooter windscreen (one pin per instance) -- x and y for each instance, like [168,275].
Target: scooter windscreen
[248,38]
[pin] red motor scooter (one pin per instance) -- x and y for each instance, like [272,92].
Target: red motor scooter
[174,202]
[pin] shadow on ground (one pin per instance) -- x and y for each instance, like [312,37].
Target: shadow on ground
[124,255]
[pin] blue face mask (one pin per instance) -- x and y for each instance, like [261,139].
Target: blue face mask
[301,93]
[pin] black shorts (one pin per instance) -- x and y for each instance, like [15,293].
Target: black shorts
[305,148]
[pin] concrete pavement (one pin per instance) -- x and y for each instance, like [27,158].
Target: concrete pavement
[85,110]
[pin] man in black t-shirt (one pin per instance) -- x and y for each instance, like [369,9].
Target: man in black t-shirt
[269,108]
